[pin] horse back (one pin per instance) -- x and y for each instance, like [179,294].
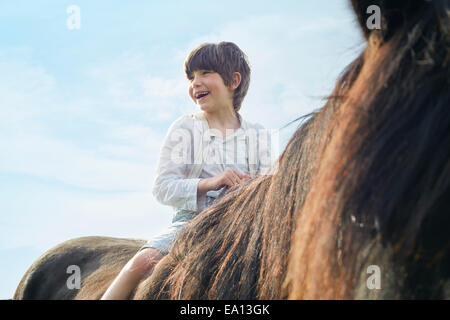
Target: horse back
[95,260]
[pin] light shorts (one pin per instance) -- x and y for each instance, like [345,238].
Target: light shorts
[163,241]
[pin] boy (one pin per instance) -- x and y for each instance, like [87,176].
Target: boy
[219,76]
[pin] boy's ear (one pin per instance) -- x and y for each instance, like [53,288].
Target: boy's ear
[236,80]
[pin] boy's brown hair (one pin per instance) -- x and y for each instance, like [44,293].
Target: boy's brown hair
[225,58]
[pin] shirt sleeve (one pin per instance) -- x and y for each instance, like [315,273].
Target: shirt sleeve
[171,187]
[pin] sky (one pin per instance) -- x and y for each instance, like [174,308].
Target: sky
[84,110]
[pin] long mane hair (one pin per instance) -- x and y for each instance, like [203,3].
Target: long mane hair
[364,181]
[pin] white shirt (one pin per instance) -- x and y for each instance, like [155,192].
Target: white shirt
[181,149]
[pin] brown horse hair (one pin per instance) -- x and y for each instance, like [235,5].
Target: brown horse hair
[383,178]
[363,180]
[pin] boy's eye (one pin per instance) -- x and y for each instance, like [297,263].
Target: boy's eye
[202,72]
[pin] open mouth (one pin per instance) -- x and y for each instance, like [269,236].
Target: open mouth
[200,95]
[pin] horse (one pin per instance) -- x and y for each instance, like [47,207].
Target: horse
[363,184]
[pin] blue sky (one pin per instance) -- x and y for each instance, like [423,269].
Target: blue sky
[83,112]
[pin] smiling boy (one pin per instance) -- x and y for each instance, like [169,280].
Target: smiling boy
[219,77]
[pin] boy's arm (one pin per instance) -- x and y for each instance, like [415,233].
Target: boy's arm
[170,186]
[205,185]
[176,192]
[208,184]
[229,177]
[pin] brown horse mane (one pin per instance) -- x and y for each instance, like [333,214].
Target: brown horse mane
[385,173]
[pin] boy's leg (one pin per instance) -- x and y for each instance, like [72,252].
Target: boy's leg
[131,274]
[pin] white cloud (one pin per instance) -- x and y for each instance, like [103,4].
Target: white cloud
[21,86]
[132,142]
[145,81]
[164,88]
[94,153]
[51,159]
[51,214]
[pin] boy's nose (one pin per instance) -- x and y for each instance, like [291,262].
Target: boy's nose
[195,82]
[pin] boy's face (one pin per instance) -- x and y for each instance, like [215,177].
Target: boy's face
[209,92]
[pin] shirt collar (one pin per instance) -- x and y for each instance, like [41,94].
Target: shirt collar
[202,124]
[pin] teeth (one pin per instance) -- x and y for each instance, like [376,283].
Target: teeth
[201,94]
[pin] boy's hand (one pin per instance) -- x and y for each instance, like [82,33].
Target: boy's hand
[229,177]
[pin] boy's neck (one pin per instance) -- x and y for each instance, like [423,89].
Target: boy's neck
[226,120]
